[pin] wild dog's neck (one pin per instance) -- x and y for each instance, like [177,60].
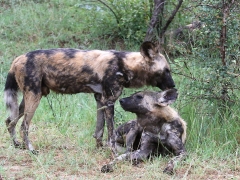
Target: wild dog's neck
[139,68]
[166,114]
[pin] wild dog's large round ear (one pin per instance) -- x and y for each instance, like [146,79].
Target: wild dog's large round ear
[167,97]
[148,49]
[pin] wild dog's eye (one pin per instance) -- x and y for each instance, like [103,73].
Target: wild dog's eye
[139,96]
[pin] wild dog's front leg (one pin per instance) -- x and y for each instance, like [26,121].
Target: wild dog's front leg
[100,121]
[109,116]
[109,167]
[147,147]
[105,111]
[173,162]
[126,134]
[175,142]
[130,138]
[109,97]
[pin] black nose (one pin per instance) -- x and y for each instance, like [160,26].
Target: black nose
[121,101]
[171,85]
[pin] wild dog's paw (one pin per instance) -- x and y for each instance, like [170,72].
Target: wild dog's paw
[35,152]
[18,145]
[99,143]
[107,168]
[135,162]
[168,170]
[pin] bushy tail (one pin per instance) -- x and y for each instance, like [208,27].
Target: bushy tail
[10,96]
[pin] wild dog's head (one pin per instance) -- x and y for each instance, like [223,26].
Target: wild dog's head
[147,101]
[159,72]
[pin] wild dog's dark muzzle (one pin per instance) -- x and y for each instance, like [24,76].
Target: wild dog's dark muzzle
[122,101]
[166,85]
[126,104]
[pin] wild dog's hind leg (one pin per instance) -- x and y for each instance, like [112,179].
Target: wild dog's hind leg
[12,121]
[31,103]
[100,121]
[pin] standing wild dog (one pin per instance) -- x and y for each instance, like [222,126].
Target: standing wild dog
[70,71]
[163,130]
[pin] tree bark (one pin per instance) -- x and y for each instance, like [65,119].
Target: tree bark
[226,4]
[163,30]
[155,19]
[158,9]
[223,34]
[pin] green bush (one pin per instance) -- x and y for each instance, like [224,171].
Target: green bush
[124,21]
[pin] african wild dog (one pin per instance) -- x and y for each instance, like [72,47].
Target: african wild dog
[70,71]
[163,130]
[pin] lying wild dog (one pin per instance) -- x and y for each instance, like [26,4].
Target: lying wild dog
[70,71]
[163,130]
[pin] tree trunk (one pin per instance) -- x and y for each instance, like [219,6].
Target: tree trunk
[223,34]
[157,22]
[223,39]
[158,9]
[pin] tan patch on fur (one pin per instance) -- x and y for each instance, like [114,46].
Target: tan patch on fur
[17,67]
[160,63]
[169,114]
[135,61]
[184,135]
[98,62]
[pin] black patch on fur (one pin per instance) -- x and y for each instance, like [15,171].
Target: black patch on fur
[90,73]
[122,68]
[21,107]
[110,80]
[72,83]
[171,94]
[167,81]
[51,68]
[117,65]
[70,53]
[162,80]
[119,54]
[87,70]
[11,83]
[177,126]
[31,80]
[47,53]
[145,47]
